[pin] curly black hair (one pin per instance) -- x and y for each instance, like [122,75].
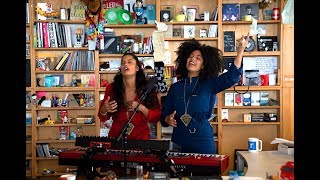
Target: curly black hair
[212,59]
[141,82]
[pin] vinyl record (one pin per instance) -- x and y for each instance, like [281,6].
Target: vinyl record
[111,16]
[251,45]
[125,16]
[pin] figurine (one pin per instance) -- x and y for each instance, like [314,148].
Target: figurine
[78,37]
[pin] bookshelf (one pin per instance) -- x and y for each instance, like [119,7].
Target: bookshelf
[226,140]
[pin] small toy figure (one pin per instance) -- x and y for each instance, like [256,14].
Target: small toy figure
[138,10]
[78,37]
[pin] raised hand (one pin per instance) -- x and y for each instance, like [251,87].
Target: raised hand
[242,43]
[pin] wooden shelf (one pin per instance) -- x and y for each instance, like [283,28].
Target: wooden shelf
[192,23]
[50,175]
[63,108]
[130,26]
[185,39]
[249,123]
[255,88]
[68,124]
[54,141]
[120,55]
[249,22]
[61,49]
[65,72]
[254,53]
[62,21]
[250,107]
[55,89]
[47,158]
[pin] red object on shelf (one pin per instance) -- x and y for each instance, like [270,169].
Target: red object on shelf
[287,171]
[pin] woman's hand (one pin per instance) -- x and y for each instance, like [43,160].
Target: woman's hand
[110,106]
[170,120]
[242,43]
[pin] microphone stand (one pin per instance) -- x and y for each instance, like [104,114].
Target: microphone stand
[123,134]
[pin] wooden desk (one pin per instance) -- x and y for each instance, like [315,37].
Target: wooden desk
[259,162]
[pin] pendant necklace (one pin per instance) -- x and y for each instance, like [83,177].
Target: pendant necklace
[186,118]
[131,99]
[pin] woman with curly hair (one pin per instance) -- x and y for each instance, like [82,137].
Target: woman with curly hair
[122,97]
[190,101]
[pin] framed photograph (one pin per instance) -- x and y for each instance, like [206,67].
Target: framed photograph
[196,7]
[172,10]
[249,9]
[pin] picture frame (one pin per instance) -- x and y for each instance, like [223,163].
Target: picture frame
[196,7]
[171,8]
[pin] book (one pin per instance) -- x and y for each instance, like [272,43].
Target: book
[189,31]
[63,132]
[264,98]
[151,13]
[77,10]
[255,98]
[229,41]
[111,45]
[41,8]
[228,99]
[230,12]
[62,61]
[60,116]
[237,99]
[246,98]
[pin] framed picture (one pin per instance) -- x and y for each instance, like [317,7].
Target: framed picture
[249,9]
[172,10]
[196,7]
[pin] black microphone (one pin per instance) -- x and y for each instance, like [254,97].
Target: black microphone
[149,86]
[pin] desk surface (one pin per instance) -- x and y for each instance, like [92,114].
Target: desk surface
[259,162]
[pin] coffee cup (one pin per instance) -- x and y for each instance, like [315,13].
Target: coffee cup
[254,144]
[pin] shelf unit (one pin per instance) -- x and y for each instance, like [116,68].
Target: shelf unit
[230,135]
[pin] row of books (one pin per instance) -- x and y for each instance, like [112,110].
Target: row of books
[81,60]
[54,34]
[118,44]
[246,99]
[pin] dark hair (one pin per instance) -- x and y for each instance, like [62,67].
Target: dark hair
[118,86]
[212,59]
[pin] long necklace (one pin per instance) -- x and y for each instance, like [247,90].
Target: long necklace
[186,118]
[127,101]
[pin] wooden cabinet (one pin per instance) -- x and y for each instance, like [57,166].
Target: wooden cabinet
[229,135]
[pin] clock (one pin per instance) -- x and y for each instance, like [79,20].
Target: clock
[251,44]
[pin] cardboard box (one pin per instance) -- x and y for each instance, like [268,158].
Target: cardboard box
[286,148]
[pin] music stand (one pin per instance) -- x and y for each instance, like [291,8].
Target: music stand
[123,134]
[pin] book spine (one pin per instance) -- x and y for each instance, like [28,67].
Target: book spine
[45,35]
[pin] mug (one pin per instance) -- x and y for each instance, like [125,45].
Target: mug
[254,144]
